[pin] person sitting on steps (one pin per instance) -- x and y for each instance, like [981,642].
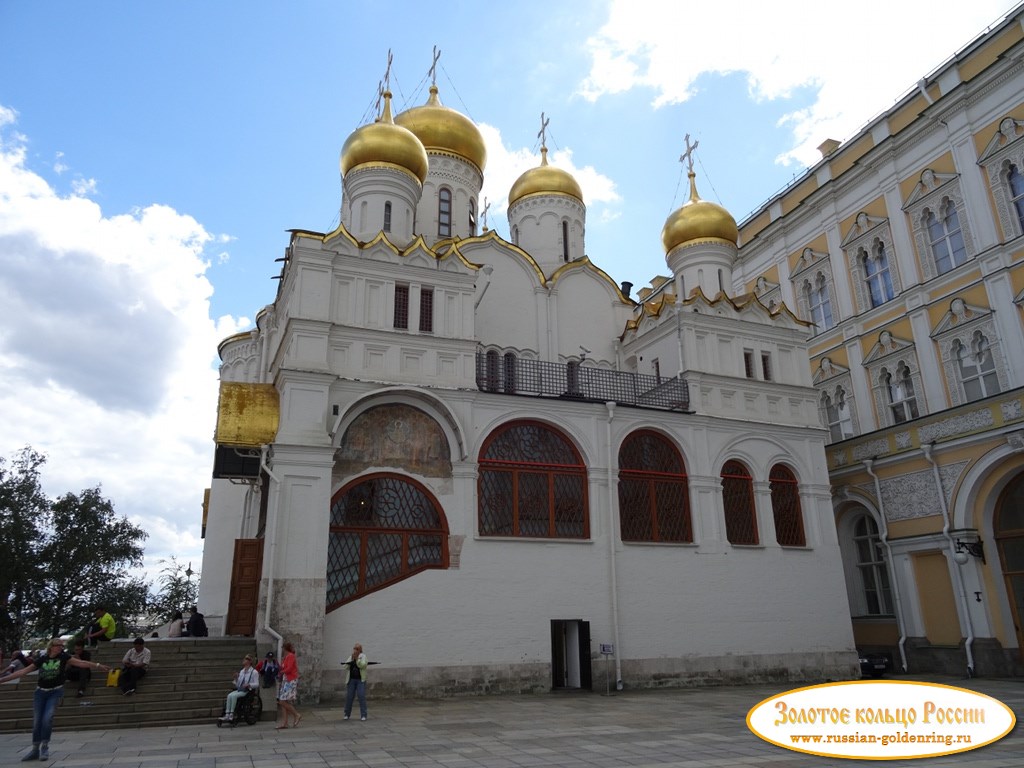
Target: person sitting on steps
[135,663]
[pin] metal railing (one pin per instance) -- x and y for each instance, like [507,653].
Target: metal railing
[511,375]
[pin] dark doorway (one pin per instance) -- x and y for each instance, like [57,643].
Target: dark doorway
[570,654]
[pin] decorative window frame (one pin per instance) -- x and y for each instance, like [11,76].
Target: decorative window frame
[959,325]
[810,265]
[887,354]
[865,232]
[928,195]
[768,293]
[828,379]
[1005,148]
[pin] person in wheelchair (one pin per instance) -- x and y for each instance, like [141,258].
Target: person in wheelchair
[247,684]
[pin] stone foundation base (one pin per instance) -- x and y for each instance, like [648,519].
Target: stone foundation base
[479,680]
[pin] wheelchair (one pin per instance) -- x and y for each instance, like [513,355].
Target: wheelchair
[248,710]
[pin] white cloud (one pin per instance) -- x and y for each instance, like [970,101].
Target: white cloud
[505,165]
[83,187]
[107,350]
[59,166]
[859,59]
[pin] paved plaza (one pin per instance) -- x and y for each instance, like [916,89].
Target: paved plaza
[695,728]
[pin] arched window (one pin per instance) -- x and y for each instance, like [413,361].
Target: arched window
[493,374]
[654,499]
[789,519]
[387,216]
[472,217]
[1016,182]
[444,212]
[900,391]
[876,274]
[384,528]
[872,573]
[945,237]
[819,304]
[837,415]
[738,500]
[976,367]
[533,483]
[565,241]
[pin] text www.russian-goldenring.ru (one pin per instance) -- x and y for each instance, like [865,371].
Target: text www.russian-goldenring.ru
[885,740]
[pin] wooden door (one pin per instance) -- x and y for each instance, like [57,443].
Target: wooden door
[246,571]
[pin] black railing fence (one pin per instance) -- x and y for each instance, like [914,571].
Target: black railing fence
[511,375]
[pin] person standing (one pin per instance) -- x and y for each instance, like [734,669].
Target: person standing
[247,679]
[355,685]
[134,663]
[102,630]
[288,690]
[52,665]
[81,675]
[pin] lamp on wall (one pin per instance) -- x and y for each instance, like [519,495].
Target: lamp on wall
[974,548]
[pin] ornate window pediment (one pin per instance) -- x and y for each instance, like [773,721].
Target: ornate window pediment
[768,293]
[972,357]
[813,286]
[836,404]
[938,217]
[1003,161]
[895,376]
[871,258]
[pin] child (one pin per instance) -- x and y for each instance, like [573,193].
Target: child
[268,669]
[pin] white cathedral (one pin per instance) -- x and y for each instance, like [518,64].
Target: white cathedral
[496,469]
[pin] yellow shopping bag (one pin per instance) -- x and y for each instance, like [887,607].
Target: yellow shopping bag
[113,677]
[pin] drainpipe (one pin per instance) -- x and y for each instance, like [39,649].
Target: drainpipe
[272,533]
[868,465]
[614,588]
[964,604]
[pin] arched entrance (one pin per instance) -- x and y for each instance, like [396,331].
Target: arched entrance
[1008,526]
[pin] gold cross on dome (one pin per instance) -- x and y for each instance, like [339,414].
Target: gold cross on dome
[687,156]
[433,66]
[542,133]
[487,207]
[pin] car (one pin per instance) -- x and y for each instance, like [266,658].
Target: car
[872,664]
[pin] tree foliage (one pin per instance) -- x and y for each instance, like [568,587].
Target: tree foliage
[178,590]
[63,557]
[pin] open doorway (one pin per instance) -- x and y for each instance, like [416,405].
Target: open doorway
[570,654]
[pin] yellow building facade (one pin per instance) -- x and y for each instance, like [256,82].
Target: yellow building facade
[904,246]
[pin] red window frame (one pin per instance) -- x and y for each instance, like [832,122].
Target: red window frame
[654,498]
[532,484]
[738,502]
[381,525]
[789,518]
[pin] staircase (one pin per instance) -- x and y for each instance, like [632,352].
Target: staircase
[187,681]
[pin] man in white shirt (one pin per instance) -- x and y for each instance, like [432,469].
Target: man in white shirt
[134,666]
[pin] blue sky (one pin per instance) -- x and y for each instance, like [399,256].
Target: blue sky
[152,155]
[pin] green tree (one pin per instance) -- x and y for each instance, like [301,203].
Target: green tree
[86,555]
[24,512]
[178,591]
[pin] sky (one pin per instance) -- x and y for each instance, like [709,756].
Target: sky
[153,155]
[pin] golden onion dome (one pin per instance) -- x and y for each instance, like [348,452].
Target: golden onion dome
[442,129]
[698,220]
[545,180]
[386,144]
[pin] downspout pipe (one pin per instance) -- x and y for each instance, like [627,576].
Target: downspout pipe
[961,589]
[613,576]
[272,548]
[869,466]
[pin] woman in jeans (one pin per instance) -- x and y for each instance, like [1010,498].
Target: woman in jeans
[52,665]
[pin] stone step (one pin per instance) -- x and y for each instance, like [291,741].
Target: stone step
[186,683]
